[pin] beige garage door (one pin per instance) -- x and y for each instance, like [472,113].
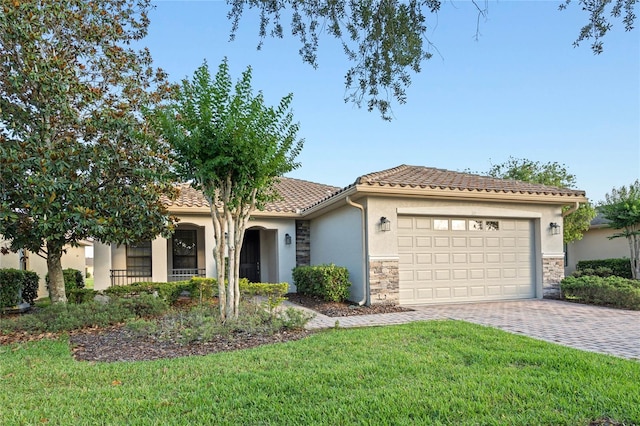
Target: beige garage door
[452,259]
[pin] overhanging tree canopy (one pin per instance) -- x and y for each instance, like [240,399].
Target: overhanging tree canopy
[76,159]
[233,147]
[387,40]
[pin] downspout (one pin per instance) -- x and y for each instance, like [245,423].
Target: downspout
[365,274]
[575,207]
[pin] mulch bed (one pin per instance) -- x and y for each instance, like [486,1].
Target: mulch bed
[117,343]
[337,309]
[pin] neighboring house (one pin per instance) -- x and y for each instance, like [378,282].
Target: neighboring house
[73,257]
[595,244]
[408,235]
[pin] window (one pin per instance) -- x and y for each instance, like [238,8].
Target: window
[139,259]
[493,225]
[185,249]
[475,225]
[440,224]
[458,225]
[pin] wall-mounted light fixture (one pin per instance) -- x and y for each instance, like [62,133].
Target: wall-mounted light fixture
[287,239]
[554,228]
[385,224]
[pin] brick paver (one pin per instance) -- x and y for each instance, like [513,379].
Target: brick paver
[591,328]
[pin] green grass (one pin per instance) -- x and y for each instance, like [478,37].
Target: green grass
[88,283]
[438,372]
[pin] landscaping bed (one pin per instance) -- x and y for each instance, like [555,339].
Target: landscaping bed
[342,309]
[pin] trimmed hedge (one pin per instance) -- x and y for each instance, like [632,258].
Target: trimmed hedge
[30,285]
[81,295]
[198,287]
[605,291]
[73,279]
[12,282]
[604,267]
[169,292]
[10,286]
[330,282]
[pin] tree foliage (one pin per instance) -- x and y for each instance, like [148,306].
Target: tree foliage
[233,147]
[387,41]
[552,174]
[622,208]
[76,160]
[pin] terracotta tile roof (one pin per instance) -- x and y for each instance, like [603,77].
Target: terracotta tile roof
[295,194]
[427,177]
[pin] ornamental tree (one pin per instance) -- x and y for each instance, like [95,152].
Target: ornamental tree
[552,174]
[232,147]
[387,41]
[76,158]
[622,208]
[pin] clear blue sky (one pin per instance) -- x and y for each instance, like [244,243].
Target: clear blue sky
[521,90]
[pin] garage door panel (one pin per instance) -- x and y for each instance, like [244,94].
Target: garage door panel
[424,275]
[460,292]
[441,242]
[441,258]
[458,259]
[423,241]
[443,293]
[460,274]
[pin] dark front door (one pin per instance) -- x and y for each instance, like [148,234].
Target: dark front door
[250,256]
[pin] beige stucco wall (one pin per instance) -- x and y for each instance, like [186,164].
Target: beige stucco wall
[336,237]
[595,245]
[277,259]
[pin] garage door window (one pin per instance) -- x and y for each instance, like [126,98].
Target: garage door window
[493,225]
[476,225]
[441,224]
[458,225]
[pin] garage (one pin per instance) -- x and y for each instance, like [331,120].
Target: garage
[458,259]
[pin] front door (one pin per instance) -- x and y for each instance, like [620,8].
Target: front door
[250,256]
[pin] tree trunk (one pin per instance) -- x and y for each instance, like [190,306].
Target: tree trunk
[57,291]
[634,244]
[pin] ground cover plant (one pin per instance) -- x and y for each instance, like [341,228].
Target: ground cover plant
[437,372]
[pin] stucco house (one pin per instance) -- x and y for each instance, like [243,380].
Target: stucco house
[595,244]
[408,235]
[72,257]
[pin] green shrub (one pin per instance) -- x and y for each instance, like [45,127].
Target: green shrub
[605,291]
[30,285]
[14,281]
[69,316]
[619,267]
[80,295]
[11,283]
[169,292]
[203,288]
[73,279]
[274,293]
[329,282]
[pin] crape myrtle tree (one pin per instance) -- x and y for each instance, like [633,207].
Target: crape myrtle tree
[76,158]
[622,208]
[387,41]
[232,147]
[552,174]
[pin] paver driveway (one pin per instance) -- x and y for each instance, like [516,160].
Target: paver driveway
[591,328]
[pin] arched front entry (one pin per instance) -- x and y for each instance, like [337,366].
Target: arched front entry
[258,257]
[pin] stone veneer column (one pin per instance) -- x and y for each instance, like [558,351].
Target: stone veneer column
[303,243]
[552,274]
[384,281]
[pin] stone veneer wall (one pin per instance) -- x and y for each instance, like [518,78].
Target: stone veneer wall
[303,243]
[384,281]
[552,274]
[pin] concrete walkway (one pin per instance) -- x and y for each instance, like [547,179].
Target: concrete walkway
[591,328]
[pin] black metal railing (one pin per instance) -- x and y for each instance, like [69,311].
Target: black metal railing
[128,276]
[185,274]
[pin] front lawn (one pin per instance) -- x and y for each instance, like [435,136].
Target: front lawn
[437,372]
